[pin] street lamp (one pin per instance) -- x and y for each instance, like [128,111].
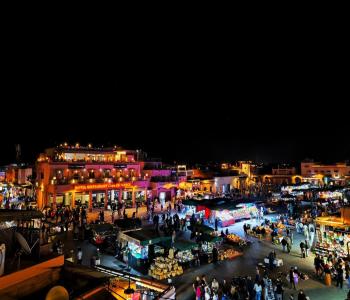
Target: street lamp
[129,290]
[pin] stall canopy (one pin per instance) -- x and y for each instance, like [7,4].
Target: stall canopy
[216,203]
[210,238]
[180,244]
[192,202]
[143,237]
[7,215]
[202,228]
[127,224]
[101,227]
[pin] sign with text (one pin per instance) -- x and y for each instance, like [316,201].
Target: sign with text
[119,166]
[102,186]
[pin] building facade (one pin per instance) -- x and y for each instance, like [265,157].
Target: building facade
[100,177]
[338,173]
[282,175]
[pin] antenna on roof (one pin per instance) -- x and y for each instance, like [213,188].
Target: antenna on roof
[18,152]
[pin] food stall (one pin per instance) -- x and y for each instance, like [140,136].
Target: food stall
[141,243]
[230,213]
[224,209]
[207,244]
[332,236]
[196,207]
[183,251]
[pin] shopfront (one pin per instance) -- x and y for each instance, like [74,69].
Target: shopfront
[333,237]
[100,195]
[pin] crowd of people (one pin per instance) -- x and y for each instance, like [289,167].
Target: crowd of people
[245,288]
[330,267]
[258,288]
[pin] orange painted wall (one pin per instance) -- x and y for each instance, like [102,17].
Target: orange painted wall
[20,277]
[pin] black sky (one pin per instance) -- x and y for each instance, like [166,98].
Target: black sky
[178,104]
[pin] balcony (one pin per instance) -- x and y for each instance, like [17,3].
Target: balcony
[72,180]
[91,161]
[164,179]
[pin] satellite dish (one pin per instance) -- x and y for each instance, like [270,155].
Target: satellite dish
[24,245]
[58,292]
[24,248]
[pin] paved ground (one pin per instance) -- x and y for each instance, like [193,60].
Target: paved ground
[241,266]
[245,265]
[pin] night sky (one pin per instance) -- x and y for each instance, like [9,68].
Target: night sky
[183,107]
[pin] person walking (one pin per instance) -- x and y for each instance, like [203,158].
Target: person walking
[284,244]
[245,229]
[289,246]
[317,264]
[302,249]
[198,292]
[279,290]
[301,295]
[340,276]
[258,290]
[295,278]
[327,275]
[196,283]
[173,236]
[291,278]
[207,293]
[79,256]
[257,274]
[312,234]
[307,247]
[215,285]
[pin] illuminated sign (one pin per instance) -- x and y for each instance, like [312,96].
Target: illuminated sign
[119,166]
[102,186]
[75,167]
[169,185]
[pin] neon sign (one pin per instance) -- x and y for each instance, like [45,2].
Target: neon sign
[102,186]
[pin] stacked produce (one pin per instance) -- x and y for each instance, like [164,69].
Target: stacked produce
[184,256]
[228,254]
[164,268]
[234,238]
